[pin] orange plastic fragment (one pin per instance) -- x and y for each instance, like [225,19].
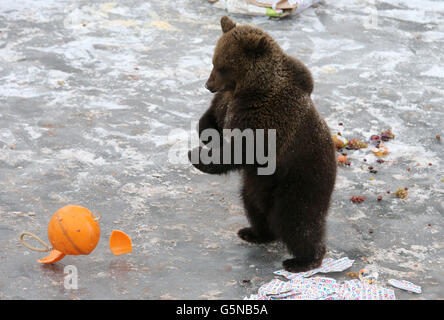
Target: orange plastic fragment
[120,243]
[54,256]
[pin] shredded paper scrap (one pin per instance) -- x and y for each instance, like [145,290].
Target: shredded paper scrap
[405,285]
[301,287]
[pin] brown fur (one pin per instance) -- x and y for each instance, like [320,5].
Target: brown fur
[258,86]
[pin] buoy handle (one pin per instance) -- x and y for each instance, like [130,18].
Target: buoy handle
[47,248]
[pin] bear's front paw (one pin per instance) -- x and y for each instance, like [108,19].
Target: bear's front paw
[250,235]
[194,157]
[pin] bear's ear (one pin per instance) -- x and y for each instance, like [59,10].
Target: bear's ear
[227,24]
[257,44]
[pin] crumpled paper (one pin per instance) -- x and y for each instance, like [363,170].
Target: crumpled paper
[405,285]
[328,265]
[361,290]
[297,289]
[301,287]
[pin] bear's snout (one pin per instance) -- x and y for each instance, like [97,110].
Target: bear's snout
[209,88]
[211,82]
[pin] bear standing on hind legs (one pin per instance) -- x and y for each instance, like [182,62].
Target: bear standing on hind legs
[258,86]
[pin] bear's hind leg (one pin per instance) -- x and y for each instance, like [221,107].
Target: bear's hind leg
[306,246]
[259,231]
[302,228]
[297,265]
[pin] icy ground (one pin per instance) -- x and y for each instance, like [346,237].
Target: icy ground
[92,95]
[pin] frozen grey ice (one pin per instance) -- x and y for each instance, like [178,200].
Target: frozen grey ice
[94,95]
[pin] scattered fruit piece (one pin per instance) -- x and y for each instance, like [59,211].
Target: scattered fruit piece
[381,150]
[401,193]
[356,144]
[357,199]
[339,141]
[352,275]
[375,138]
[342,159]
[387,135]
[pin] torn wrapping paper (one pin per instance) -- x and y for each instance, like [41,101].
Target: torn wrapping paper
[301,287]
[360,290]
[272,8]
[314,288]
[405,285]
[275,287]
[328,265]
[319,288]
[297,289]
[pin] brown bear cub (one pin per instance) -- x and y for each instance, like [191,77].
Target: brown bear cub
[258,86]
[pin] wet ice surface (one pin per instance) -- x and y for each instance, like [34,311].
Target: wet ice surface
[89,94]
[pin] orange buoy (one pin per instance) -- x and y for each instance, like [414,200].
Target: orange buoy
[120,243]
[73,230]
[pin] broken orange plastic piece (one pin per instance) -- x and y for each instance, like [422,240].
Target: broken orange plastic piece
[120,243]
[54,256]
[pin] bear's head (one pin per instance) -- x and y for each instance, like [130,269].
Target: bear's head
[241,54]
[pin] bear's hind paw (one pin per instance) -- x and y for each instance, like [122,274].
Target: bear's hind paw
[249,235]
[295,265]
